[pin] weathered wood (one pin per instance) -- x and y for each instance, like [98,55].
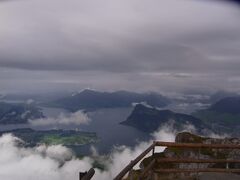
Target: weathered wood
[191,160]
[182,146]
[133,163]
[197,170]
[147,169]
[197,145]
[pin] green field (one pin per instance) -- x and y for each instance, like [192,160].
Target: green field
[54,139]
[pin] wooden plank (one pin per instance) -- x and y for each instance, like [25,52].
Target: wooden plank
[190,160]
[197,170]
[197,145]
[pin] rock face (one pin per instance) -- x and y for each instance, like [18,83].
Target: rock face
[186,137]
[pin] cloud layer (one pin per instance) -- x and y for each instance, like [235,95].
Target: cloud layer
[75,118]
[58,162]
[119,44]
[36,163]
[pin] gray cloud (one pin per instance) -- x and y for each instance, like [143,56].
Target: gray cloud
[120,44]
[76,118]
[57,162]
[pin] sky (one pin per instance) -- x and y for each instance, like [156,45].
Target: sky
[147,45]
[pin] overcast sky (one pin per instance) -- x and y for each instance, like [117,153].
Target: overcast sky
[139,45]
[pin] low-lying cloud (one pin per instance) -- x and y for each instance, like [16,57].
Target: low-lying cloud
[57,162]
[20,163]
[76,118]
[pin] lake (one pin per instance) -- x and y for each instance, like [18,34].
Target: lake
[105,122]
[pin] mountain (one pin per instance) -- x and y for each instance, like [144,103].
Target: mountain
[18,113]
[222,116]
[36,97]
[90,99]
[149,119]
[219,95]
[230,105]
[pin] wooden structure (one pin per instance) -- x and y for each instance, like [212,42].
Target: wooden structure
[87,175]
[150,170]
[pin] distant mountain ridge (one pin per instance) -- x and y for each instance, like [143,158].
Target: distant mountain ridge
[18,113]
[229,105]
[219,95]
[149,119]
[90,99]
[223,116]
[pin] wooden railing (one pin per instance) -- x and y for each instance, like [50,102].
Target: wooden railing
[130,166]
[199,146]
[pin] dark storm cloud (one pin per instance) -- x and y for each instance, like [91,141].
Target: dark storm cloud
[235,1]
[120,44]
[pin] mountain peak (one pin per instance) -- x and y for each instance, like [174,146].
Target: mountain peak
[88,90]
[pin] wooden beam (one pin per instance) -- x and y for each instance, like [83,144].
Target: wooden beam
[133,163]
[190,160]
[197,170]
[197,145]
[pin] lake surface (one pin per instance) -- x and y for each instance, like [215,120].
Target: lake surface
[105,122]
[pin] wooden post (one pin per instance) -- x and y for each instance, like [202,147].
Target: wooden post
[153,151]
[82,174]
[87,175]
